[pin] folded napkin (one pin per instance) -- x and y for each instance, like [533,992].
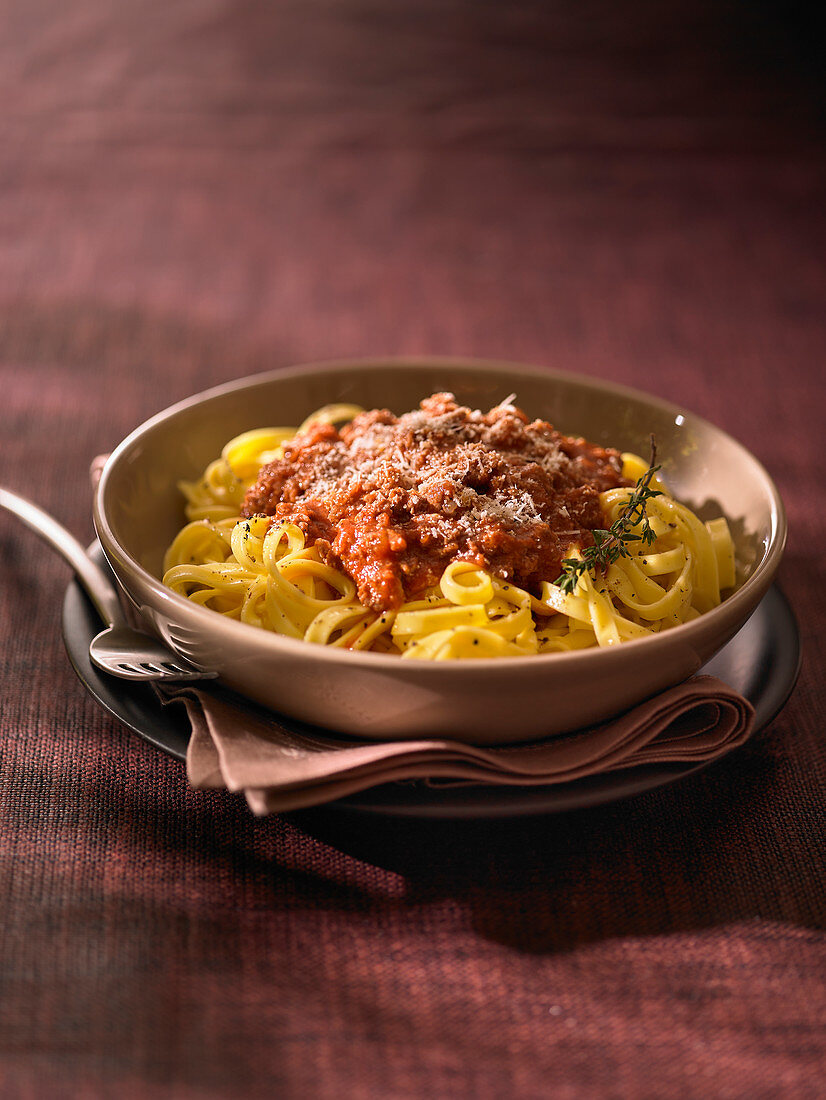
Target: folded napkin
[281,767]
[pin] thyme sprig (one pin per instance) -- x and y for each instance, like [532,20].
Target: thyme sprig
[612,544]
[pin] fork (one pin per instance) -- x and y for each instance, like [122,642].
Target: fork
[119,649]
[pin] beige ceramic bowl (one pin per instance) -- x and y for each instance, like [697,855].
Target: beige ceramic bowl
[138,510]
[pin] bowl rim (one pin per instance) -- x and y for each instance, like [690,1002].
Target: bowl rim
[731,607]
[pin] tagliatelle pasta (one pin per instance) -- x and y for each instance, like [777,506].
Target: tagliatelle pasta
[333,537]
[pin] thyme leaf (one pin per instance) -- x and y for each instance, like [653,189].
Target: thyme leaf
[611,545]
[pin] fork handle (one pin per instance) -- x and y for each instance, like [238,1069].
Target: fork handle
[100,589]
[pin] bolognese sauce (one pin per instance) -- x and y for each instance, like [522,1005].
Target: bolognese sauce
[392,500]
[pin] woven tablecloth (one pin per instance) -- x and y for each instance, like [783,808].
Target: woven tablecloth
[194,191]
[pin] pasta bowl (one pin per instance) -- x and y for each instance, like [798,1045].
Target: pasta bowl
[138,509]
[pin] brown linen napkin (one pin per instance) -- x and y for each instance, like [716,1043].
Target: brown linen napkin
[280,768]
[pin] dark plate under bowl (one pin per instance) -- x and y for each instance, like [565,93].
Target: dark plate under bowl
[762,662]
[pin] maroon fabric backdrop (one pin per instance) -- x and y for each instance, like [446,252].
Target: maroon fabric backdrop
[194,191]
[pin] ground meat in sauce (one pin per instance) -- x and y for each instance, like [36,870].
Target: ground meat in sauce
[393,500]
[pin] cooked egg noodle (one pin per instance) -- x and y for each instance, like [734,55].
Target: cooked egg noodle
[262,572]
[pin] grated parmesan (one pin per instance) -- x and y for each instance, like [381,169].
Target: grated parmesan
[392,499]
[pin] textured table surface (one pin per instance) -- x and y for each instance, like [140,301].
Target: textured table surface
[192,191]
